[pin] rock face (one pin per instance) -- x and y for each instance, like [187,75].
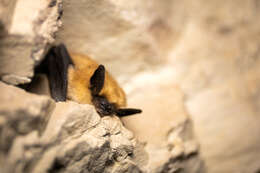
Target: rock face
[38,137]
[110,31]
[216,63]
[21,115]
[26,29]
[191,66]
[31,113]
[169,137]
[132,37]
[208,50]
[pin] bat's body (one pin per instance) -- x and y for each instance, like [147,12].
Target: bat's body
[79,82]
[81,79]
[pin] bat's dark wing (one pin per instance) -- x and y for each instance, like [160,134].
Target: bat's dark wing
[56,65]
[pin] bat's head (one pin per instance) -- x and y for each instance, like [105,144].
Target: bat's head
[101,103]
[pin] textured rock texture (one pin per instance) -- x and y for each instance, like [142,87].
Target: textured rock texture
[169,137]
[216,63]
[38,137]
[110,31]
[26,29]
[130,37]
[192,66]
[207,51]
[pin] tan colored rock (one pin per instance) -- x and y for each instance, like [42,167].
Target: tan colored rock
[6,14]
[21,114]
[112,32]
[164,126]
[130,37]
[212,53]
[216,63]
[74,139]
[27,27]
[212,48]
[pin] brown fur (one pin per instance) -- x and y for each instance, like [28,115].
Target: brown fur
[79,82]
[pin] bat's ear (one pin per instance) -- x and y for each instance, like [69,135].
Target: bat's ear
[127,111]
[97,80]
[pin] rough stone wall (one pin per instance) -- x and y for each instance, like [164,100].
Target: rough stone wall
[205,51]
[26,29]
[192,66]
[217,65]
[38,135]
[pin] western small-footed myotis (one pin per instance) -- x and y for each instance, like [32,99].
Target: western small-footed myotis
[79,78]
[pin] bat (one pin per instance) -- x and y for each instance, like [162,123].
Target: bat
[79,78]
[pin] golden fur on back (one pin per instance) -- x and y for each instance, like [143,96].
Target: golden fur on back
[79,82]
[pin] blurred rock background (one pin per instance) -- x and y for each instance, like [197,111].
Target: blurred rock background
[192,66]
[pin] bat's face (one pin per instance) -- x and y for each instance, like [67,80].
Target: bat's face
[101,103]
[103,106]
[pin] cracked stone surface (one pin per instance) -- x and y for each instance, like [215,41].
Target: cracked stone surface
[27,27]
[38,136]
[75,137]
[192,66]
[169,137]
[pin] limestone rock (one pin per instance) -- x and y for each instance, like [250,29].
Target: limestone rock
[21,113]
[190,65]
[164,126]
[216,64]
[131,37]
[70,138]
[212,48]
[112,32]
[27,27]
